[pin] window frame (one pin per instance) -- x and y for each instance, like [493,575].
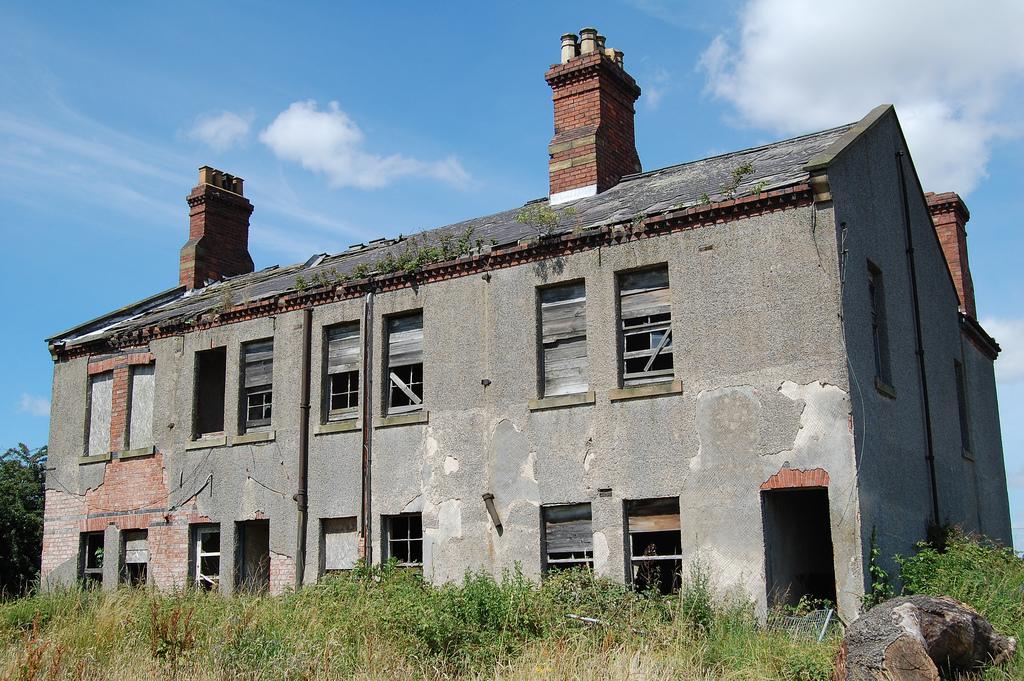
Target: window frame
[637,561]
[130,435]
[91,403]
[550,339]
[91,574]
[409,540]
[586,560]
[963,408]
[258,397]
[201,580]
[198,393]
[393,383]
[352,377]
[879,324]
[660,322]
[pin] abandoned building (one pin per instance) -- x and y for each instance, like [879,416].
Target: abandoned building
[757,360]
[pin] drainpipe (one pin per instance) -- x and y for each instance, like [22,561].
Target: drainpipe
[301,500]
[930,452]
[365,546]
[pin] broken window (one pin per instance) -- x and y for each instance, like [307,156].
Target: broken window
[646,319]
[405,539]
[568,536]
[798,545]
[140,406]
[342,371]
[879,326]
[405,363]
[206,554]
[655,544]
[91,558]
[100,396]
[209,397]
[252,561]
[257,375]
[339,547]
[563,319]
[961,397]
[134,557]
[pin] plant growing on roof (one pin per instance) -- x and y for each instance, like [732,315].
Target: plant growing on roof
[543,218]
[738,173]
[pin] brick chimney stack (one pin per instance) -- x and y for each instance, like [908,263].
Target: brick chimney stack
[594,144]
[950,216]
[218,230]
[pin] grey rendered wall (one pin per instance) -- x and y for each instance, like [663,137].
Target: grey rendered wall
[758,355]
[889,431]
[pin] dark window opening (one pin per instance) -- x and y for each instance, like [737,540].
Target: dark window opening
[798,546]
[961,397]
[645,339]
[91,558]
[252,556]
[655,544]
[209,398]
[563,329]
[342,363]
[135,557]
[879,325]
[206,557]
[405,364]
[405,539]
[568,536]
[257,380]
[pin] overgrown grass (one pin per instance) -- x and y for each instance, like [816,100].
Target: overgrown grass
[386,623]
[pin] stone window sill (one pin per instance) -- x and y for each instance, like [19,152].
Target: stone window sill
[345,426]
[253,438]
[649,390]
[885,389]
[207,442]
[136,453]
[412,418]
[95,458]
[560,401]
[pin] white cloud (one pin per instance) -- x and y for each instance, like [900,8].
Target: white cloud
[949,67]
[330,142]
[655,88]
[223,131]
[34,405]
[1009,333]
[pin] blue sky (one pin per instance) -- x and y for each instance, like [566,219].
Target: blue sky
[350,122]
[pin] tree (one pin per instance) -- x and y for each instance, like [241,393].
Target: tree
[21,517]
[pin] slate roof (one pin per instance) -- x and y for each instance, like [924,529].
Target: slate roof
[772,166]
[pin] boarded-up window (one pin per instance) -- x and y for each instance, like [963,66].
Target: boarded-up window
[655,543]
[405,363]
[209,398]
[342,361]
[91,558]
[563,319]
[206,556]
[135,558]
[100,395]
[258,370]
[646,326]
[568,536]
[405,539]
[140,426]
[339,546]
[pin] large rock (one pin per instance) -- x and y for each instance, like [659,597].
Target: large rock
[914,637]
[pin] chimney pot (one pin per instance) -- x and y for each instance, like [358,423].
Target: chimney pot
[206,175]
[600,43]
[570,48]
[619,57]
[588,40]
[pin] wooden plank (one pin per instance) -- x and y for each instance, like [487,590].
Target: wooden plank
[563,312]
[568,528]
[405,340]
[258,361]
[343,348]
[566,368]
[645,303]
[654,523]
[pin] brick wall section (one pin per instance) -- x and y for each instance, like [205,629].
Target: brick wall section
[63,516]
[790,478]
[129,486]
[168,553]
[218,237]
[594,140]
[950,216]
[282,573]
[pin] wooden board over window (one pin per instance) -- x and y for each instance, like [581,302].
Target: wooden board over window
[563,313]
[258,361]
[343,348]
[568,536]
[645,312]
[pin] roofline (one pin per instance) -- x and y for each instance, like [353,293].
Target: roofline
[789,197]
[978,333]
[155,299]
[846,140]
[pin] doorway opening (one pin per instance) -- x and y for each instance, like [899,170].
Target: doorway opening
[798,545]
[253,556]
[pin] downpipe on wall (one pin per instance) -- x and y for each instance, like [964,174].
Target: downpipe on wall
[301,496]
[365,545]
[919,339]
